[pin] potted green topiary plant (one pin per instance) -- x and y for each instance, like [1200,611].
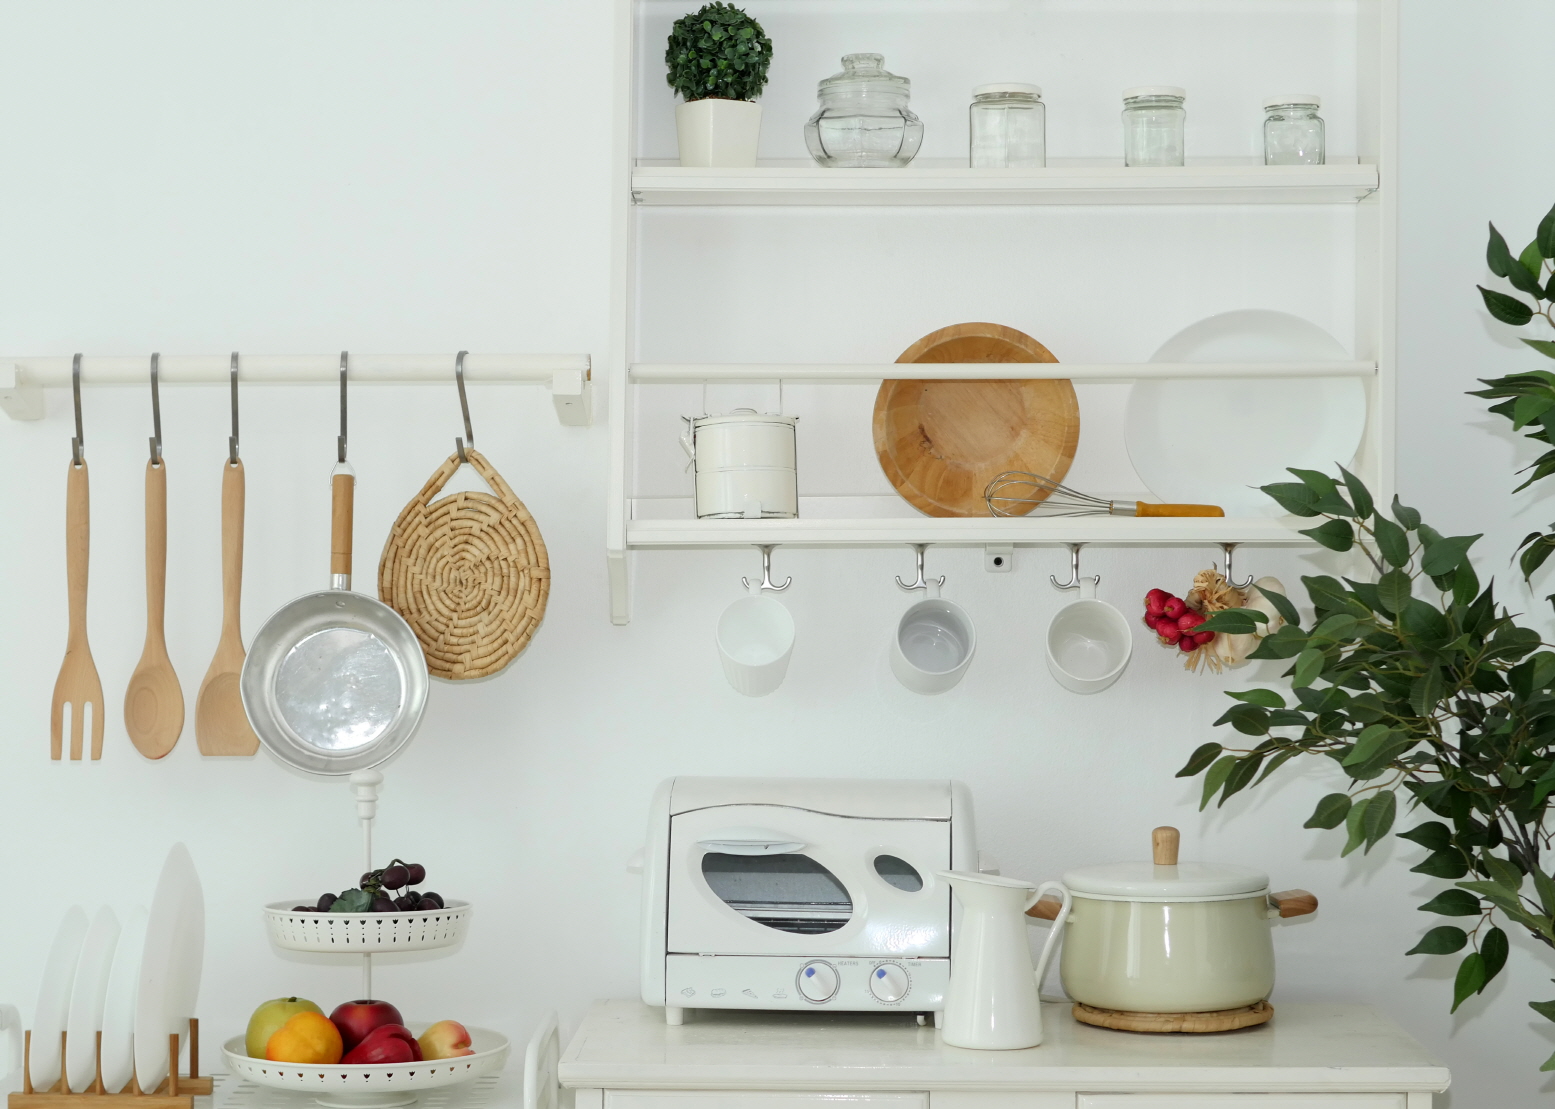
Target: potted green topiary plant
[718,59]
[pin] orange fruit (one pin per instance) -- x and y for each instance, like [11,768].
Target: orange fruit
[306,1038]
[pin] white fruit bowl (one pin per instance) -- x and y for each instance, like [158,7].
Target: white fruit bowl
[374,1085]
[358,933]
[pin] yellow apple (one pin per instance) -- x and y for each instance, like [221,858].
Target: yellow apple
[269,1017]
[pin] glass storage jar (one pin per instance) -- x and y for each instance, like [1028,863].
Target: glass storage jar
[1008,127]
[1292,130]
[863,120]
[1153,119]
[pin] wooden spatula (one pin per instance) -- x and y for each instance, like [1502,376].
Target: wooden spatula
[220,725]
[77,684]
[154,703]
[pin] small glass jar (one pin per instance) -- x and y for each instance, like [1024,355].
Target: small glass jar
[1292,130]
[1153,119]
[863,120]
[1008,127]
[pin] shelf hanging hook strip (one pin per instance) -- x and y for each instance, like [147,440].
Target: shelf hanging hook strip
[922,582]
[232,440]
[1230,549]
[340,457]
[464,406]
[1074,570]
[75,388]
[156,413]
[766,571]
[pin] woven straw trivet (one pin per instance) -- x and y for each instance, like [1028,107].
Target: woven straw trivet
[1223,1020]
[469,573]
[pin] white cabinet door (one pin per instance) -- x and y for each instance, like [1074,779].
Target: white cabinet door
[1241,1101]
[759,1099]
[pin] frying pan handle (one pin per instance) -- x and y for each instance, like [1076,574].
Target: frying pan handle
[342,501]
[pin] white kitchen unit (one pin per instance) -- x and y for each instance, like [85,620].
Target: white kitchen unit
[791,286]
[624,1056]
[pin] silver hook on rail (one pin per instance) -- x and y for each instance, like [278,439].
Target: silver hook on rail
[1230,549]
[156,414]
[766,571]
[1074,570]
[464,406]
[340,457]
[75,388]
[232,440]
[921,582]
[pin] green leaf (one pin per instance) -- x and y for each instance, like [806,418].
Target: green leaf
[1504,873]
[1241,776]
[1507,309]
[1528,409]
[1309,664]
[1453,902]
[1543,346]
[1293,497]
[1378,820]
[1247,719]
[1427,623]
[1545,239]
[1444,556]
[1354,826]
[1330,811]
[1319,482]
[1371,740]
[1426,692]
[1524,281]
[1449,865]
[1283,606]
[1391,541]
[1544,886]
[1406,516]
[1218,773]
[1545,1009]
[1493,950]
[1395,589]
[1267,698]
[1433,835]
[1531,259]
[1549,1064]
[1360,496]
[1470,980]
[1441,940]
[1201,757]
[1498,256]
[1233,621]
[1338,627]
[352,901]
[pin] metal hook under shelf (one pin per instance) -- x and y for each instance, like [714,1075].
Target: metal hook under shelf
[232,440]
[464,406]
[75,388]
[1230,549]
[922,582]
[1074,570]
[340,457]
[766,571]
[156,414]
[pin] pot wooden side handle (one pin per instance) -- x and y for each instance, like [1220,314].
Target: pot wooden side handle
[1293,902]
[1047,908]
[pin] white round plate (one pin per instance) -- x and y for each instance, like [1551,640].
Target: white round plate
[87,996]
[48,1018]
[371,1086]
[1215,442]
[119,1005]
[169,966]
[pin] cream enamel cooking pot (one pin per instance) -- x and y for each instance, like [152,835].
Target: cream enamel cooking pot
[745,465]
[1170,937]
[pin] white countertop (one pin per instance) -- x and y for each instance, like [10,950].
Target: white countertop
[627,1045]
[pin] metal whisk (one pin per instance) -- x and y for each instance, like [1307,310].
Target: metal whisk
[1017,493]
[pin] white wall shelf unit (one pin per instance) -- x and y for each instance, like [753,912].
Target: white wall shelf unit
[815,279]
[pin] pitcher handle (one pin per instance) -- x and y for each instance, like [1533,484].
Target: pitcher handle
[1058,923]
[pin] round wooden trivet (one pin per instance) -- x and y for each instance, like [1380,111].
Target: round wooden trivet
[469,573]
[1222,1020]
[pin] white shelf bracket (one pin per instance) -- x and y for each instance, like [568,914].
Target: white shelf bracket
[573,396]
[22,399]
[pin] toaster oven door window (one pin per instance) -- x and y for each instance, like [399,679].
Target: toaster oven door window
[772,880]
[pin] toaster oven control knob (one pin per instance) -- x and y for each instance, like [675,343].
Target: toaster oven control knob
[818,981]
[888,982]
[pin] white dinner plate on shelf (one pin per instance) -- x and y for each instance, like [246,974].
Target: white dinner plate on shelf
[53,1008]
[1216,442]
[170,966]
[119,1004]
[87,995]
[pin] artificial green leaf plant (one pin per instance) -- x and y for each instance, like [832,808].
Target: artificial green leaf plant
[718,52]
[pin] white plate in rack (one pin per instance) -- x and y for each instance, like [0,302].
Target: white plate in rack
[169,967]
[119,1005]
[44,1059]
[355,933]
[1215,442]
[87,996]
[373,1086]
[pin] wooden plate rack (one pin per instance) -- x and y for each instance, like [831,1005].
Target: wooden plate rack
[177,1091]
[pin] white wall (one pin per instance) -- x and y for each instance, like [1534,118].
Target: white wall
[395,176]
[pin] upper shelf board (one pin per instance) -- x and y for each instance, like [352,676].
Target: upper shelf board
[958,186]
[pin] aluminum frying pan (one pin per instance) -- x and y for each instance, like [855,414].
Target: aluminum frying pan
[335,681]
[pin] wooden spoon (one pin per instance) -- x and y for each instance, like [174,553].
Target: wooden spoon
[77,684]
[154,703]
[220,725]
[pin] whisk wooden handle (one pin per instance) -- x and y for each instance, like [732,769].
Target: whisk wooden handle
[1147,509]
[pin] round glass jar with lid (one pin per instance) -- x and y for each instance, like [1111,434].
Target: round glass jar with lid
[1292,130]
[1008,124]
[1153,122]
[863,120]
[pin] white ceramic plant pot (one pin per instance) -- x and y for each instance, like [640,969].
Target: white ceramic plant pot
[717,132]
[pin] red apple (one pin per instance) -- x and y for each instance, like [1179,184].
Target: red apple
[447,1039]
[388,1043]
[356,1019]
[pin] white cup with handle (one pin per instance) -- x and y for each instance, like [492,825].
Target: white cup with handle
[934,640]
[755,635]
[1088,642]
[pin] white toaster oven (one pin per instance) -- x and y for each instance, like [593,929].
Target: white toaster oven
[801,893]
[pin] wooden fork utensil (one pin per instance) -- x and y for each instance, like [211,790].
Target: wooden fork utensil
[77,685]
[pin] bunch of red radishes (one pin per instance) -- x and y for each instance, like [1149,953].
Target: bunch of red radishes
[1173,621]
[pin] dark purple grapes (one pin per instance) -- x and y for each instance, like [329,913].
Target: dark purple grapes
[382,905]
[302,908]
[416,873]
[326,900]
[395,877]
[430,900]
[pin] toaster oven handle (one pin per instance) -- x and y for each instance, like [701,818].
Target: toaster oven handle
[750,841]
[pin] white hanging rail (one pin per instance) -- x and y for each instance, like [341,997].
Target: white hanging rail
[692,373]
[22,379]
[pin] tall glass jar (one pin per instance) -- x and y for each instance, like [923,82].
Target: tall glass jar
[1292,130]
[863,120]
[1153,119]
[1008,127]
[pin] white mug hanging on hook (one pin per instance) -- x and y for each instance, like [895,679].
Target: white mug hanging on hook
[756,635]
[1088,641]
[745,465]
[934,639]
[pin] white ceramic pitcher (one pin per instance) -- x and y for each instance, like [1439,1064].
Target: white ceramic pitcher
[993,1001]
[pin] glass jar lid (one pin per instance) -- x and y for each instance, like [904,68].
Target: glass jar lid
[1008,88]
[1144,881]
[1154,92]
[1293,100]
[864,75]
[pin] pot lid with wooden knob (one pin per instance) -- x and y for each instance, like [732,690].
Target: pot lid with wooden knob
[1164,878]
